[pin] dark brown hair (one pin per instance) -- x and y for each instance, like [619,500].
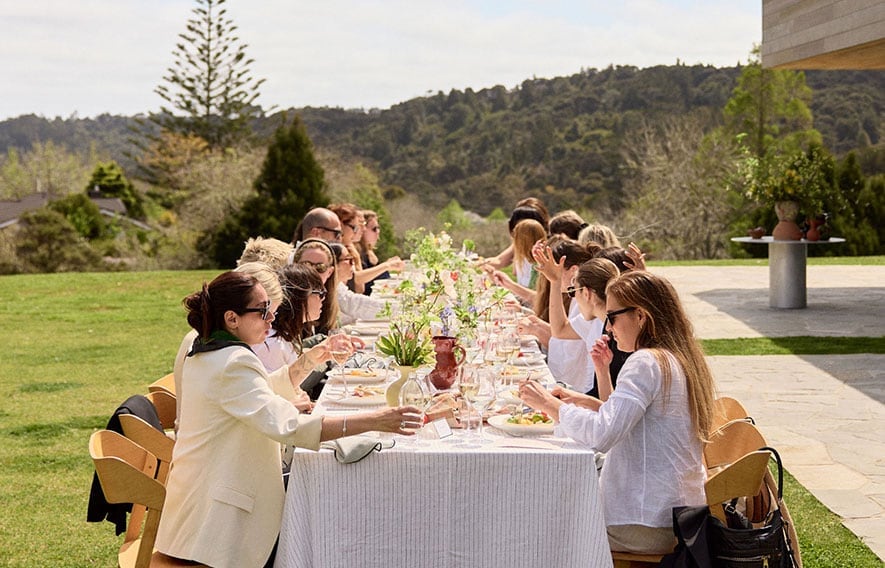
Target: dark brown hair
[228,291]
[297,281]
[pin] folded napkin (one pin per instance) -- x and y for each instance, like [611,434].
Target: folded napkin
[354,448]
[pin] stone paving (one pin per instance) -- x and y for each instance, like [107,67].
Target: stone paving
[824,413]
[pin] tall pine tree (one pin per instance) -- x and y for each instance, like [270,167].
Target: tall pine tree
[291,183]
[209,84]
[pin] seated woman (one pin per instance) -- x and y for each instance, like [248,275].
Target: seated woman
[373,269]
[272,252]
[351,306]
[525,234]
[653,425]
[528,208]
[224,493]
[571,335]
[318,254]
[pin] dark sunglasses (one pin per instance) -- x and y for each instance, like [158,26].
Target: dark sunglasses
[375,229]
[572,289]
[319,266]
[610,316]
[347,259]
[320,292]
[336,232]
[265,311]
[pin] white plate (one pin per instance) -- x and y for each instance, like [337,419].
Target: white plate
[529,359]
[352,378]
[376,400]
[500,421]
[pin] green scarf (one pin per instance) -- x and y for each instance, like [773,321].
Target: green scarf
[218,339]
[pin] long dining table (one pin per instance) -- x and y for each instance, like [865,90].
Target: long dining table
[503,500]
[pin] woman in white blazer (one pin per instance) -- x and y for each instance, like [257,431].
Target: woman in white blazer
[224,493]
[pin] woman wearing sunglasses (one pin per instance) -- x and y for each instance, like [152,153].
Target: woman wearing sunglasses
[351,306]
[654,424]
[318,254]
[224,493]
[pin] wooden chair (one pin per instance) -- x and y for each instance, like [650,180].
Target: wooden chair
[730,442]
[631,560]
[152,440]
[728,409]
[126,472]
[743,478]
[165,383]
[166,405]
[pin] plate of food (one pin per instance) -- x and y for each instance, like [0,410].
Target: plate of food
[529,359]
[361,375]
[527,424]
[363,395]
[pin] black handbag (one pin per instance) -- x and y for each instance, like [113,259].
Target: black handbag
[704,541]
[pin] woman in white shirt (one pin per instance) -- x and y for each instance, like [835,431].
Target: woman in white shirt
[351,305]
[653,425]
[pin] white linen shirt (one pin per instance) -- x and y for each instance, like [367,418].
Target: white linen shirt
[353,306]
[569,359]
[654,457]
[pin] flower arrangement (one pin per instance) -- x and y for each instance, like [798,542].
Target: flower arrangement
[803,177]
[444,291]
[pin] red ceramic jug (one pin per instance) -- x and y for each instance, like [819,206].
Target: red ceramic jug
[448,356]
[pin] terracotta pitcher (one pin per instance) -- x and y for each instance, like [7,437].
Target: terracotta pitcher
[448,356]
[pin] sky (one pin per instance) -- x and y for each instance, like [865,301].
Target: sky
[88,57]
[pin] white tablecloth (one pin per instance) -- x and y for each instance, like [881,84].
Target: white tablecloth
[444,505]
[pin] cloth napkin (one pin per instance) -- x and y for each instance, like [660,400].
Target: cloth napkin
[354,448]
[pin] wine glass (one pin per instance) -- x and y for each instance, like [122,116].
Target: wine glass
[414,393]
[468,385]
[484,398]
[340,349]
[508,345]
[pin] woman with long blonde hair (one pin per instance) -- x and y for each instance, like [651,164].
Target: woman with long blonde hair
[654,424]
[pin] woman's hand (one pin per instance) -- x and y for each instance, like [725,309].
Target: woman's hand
[601,353]
[636,256]
[535,395]
[501,279]
[533,325]
[546,264]
[576,398]
[404,420]
[302,401]
[394,264]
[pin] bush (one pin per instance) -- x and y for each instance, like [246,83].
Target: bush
[48,242]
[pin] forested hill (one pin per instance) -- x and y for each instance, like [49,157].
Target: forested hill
[562,136]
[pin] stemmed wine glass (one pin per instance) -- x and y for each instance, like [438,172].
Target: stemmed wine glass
[508,345]
[485,397]
[340,348]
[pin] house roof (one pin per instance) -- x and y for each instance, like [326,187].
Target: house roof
[10,211]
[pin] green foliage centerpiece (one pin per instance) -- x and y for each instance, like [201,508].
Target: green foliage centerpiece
[443,293]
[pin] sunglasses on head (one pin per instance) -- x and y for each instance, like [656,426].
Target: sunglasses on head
[264,311]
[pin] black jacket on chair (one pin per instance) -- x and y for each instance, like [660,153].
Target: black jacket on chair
[99,509]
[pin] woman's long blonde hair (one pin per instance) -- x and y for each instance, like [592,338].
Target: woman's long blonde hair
[667,329]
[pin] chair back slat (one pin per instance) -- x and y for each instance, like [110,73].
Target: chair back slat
[166,405]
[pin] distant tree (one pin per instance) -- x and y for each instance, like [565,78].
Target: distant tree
[109,181]
[453,215]
[210,81]
[291,182]
[83,214]
[47,242]
[770,109]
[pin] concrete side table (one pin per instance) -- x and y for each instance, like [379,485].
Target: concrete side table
[786,269]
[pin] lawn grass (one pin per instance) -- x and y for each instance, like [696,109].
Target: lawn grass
[79,344]
[811,261]
[797,345]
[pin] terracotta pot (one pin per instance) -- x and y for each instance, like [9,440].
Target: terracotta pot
[756,233]
[814,228]
[786,229]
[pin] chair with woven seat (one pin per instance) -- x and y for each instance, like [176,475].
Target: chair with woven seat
[127,474]
[165,383]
